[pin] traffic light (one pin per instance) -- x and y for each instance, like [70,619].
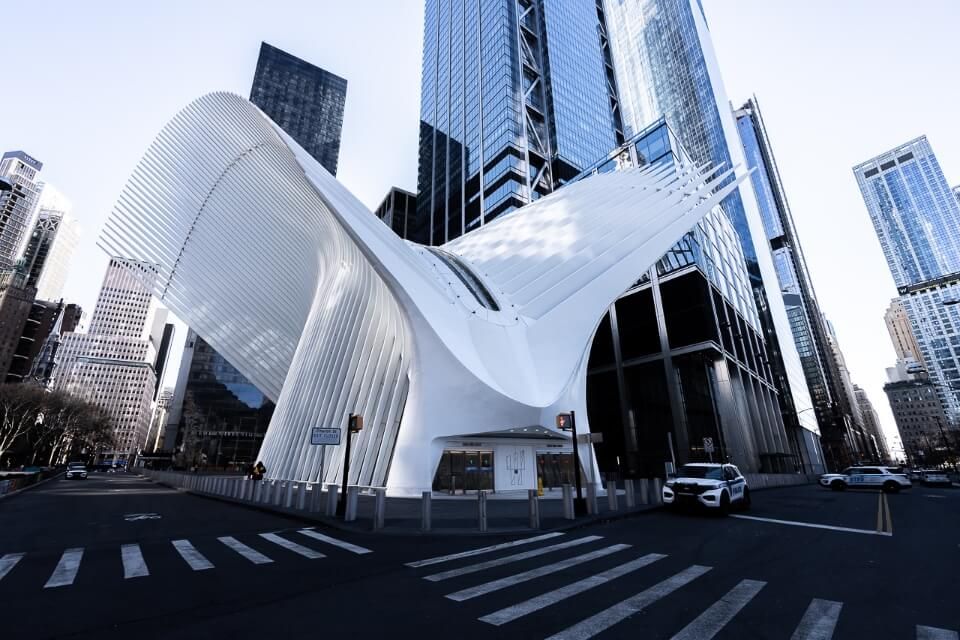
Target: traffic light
[564,423]
[356,423]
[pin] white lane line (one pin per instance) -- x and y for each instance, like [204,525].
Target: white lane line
[192,557]
[250,554]
[710,622]
[134,565]
[635,604]
[8,562]
[811,525]
[932,633]
[66,571]
[819,620]
[517,557]
[337,543]
[509,614]
[306,552]
[509,581]
[477,552]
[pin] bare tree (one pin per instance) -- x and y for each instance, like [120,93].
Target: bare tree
[20,407]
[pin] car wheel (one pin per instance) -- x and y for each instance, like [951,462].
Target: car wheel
[890,487]
[724,507]
[745,500]
[838,485]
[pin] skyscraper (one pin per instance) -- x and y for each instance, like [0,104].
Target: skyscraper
[871,424]
[901,333]
[398,210]
[306,101]
[17,204]
[919,415]
[16,304]
[51,245]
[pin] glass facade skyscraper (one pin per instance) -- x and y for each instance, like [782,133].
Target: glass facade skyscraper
[306,101]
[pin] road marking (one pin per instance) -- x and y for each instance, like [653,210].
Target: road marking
[811,525]
[819,620]
[626,608]
[133,564]
[880,513]
[306,552]
[252,555]
[509,614]
[337,543]
[477,552]
[192,557]
[473,568]
[710,622]
[932,633]
[8,562]
[886,508]
[66,571]
[933,495]
[509,581]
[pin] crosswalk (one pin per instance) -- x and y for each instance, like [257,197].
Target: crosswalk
[519,579]
[258,550]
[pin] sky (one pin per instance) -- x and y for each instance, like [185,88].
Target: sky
[90,84]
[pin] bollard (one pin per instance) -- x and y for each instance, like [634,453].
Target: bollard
[482,510]
[568,502]
[269,486]
[645,491]
[331,510]
[612,496]
[592,507]
[316,498]
[657,497]
[631,497]
[302,496]
[380,508]
[350,514]
[278,492]
[425,510]
[288,498]
[257,491]
[534,499]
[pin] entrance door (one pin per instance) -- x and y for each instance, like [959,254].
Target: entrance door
[555,469]
[462,471]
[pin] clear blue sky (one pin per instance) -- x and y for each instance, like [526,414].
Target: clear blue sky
[90,84]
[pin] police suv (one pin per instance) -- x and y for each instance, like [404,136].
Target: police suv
[866,478]
[715,486]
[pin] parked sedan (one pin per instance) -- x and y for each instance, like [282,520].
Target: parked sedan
[76,471]
[866,478]
[935,477]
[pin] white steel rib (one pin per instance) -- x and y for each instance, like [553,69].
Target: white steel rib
[293,280]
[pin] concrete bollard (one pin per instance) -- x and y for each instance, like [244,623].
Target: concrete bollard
[302,496]
[257,491]
[645,491]
[631,496]
[269,486]
[350,514]
[332,491]
[534,500]
[315,501]
[426,513]
[482,510]
[657,497]
[612,496]
[288,497]
[568,502]
[279,493]
[380,508]
[592,507]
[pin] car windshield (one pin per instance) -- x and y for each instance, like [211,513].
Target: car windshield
[695,471]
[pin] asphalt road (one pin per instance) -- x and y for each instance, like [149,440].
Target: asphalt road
[119,554]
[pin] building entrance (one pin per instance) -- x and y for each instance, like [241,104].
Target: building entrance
[555,469]
[462,471]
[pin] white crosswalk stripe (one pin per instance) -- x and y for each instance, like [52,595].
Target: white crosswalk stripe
[134,566]
[635,604]
[249,553]
[316,535]
[8,562]
[517,557]
[710,622]
[933,633]
[552,597]
[509,581]
[482,550]
[192,557]
[66,571]
[306,552]
[819,620]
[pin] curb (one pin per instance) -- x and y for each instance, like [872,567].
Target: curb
[33,486]
[339,525]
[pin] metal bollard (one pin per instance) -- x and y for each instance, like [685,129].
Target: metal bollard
[631,496]
[534,500]
[332,496]
[568,502]
[482,510]
[645,491]
[425,510]
[612,496]
[657,497]
[380,508]
[257,491]
[269,486]
[288,497]
[278,492]
[350,514]
[592,507]
[302,496]
[316,498]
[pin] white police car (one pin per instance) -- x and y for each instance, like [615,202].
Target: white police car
[866,478]
[712,485]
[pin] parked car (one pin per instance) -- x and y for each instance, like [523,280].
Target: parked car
[866,478]
[76,471]
[712,485]
[932,477]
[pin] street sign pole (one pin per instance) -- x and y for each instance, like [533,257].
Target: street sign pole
[579,503]
[354,423]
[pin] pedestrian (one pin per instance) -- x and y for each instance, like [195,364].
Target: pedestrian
[249,471]
[259,471]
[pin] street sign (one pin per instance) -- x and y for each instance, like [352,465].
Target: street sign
[587,438]
[708,445]
[321,435]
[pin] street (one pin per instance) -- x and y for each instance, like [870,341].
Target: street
[117,553]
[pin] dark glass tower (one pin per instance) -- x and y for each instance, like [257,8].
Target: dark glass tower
[306,101]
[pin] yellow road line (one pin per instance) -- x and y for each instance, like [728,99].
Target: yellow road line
[880,513]
[889,517]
